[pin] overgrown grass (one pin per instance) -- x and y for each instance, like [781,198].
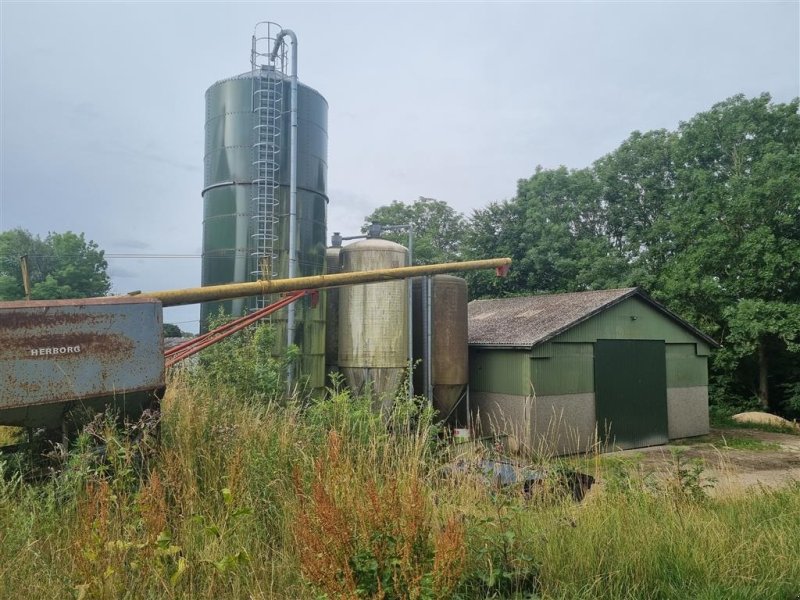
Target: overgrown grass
[240,497]
[10,435]
[726,441]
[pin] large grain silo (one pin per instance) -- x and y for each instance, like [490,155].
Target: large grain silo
[373,322]
[246,196]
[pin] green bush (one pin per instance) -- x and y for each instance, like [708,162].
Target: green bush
[244,364]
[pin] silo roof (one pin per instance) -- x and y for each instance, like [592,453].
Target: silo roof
[249,75]
[526,321]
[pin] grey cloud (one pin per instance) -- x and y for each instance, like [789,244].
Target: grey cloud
[132,243]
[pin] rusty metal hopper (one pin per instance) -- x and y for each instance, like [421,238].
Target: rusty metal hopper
[59,355]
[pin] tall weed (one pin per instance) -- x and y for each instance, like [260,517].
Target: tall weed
[237,493]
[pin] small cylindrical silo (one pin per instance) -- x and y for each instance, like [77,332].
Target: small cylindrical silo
[448,343]
[373,322]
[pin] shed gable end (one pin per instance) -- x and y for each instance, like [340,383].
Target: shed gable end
[632,319]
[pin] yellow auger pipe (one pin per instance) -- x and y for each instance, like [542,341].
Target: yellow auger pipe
[274,286]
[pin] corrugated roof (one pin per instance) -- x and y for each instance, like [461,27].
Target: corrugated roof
[526,321]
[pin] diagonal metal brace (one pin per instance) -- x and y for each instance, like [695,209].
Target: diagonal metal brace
[191,347]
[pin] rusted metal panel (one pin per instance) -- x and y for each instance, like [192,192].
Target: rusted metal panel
[55,351]
[449,350]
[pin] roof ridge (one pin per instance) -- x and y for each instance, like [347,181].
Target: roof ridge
[497,321]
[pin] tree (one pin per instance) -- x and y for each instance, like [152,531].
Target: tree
[171,330]
[734,216]
[438,229]
[555,232]
[637,181]
[63,265]
[492,233]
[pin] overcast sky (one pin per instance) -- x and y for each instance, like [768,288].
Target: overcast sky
[103,104]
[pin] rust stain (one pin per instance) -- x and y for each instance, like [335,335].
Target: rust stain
[155,387]
[107,347]
[47,349]
[32,320]
[78,302]
[29,387]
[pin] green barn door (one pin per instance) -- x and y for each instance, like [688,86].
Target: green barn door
[630,382]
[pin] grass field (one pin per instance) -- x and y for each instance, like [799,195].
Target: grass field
[237,498]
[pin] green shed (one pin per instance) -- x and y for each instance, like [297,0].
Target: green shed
[561,372]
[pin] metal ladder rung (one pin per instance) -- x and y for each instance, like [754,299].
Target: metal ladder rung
[268,118]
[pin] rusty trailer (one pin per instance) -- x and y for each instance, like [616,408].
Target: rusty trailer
[56,354]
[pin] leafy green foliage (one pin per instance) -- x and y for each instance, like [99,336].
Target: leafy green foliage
[438,229]
[506,566]
[244,363]
[62,265]
[171,330]
[554,232]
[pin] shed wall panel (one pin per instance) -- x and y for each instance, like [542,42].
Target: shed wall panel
[549,425]
[563,424]
[684,367]
[631,319]
[687,410]
[504,415]
[568,370]
[499,371]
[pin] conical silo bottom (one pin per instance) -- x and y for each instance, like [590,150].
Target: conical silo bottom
[445,401]
[382,384]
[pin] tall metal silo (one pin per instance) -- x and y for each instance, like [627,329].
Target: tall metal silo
[246,195]
[448,343]
[373,322]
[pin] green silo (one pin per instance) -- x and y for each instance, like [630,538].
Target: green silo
[233,219]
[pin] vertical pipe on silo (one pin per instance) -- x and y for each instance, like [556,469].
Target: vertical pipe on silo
[428,338]
[410,315]
[290,318]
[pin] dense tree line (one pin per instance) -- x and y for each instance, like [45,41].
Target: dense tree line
[705,218]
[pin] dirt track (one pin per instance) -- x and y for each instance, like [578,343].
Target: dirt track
[773,461]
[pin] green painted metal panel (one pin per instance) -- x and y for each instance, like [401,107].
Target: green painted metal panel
[568,368]
[631,319]
[562,369]
[631,392]
[499,371]
[227,210]
[684,367]
[566,364]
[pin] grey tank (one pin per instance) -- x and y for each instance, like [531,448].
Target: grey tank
[227,206]
[449,344]
[373,322]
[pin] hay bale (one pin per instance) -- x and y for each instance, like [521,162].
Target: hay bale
[762,418]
